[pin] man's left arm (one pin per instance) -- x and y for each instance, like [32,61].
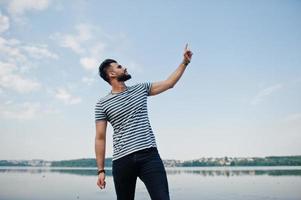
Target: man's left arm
[159,87]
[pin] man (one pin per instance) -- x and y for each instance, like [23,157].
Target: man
[135,152]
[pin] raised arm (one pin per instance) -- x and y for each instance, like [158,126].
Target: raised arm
[161,86]
[100,149]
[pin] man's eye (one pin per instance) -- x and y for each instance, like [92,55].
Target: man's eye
[119,66]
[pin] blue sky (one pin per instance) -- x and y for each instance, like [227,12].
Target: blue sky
[240,96]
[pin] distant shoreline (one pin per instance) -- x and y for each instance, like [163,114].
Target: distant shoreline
[201,162]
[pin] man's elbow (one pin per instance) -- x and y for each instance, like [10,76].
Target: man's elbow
[169,84]
[100,137]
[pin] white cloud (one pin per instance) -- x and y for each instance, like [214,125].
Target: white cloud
[14,51]
[17,57]
[89,63]
[10,51]
[84,32]
[82,43]
[23,111]
[265,93]
[91,49]
[19,84]
[11,80]
[4,23]
[74,41]
[88,80]
[71,42]
[6,68]
[92,61]
[98,49]
[19,7]
[40,52]
[51,110]
[63,95]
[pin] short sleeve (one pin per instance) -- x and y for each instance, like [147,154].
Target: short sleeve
[147,87]
[99,113]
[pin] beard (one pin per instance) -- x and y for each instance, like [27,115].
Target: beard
[124,77]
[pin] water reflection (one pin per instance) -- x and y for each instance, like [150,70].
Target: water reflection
[170,171]
[76,171]
[278,172]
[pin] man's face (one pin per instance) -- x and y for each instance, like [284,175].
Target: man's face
[121,72]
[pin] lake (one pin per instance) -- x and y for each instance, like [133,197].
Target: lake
[195,183]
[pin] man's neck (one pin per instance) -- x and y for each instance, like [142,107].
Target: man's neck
[118,87]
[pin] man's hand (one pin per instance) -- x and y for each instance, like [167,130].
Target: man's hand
[101,181]
[187,55]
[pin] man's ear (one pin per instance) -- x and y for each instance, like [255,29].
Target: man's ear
[112,74]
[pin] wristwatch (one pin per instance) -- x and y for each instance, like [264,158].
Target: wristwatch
[101,171]
[186,62]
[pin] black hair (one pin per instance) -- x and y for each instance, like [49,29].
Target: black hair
[102,70]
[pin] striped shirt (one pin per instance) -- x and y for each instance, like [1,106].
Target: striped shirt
[127,113]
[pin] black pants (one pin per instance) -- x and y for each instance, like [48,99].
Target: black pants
[148,166]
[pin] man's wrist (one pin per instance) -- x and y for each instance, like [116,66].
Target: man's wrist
[100,171]
[185,62]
